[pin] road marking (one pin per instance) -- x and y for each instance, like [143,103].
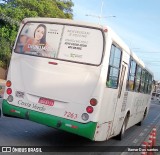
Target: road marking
[157,116]
[145,129]
[141,134]
[135,141]
[124,153]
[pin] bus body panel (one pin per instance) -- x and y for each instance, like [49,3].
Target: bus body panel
[114,110]
[70,87]
[86,130]
[138,103]
[112,115]
[57,82]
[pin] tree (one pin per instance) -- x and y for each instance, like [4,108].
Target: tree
[13,11]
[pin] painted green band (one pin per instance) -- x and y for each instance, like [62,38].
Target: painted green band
[83,129]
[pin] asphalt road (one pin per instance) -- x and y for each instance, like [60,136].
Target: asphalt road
[21,133]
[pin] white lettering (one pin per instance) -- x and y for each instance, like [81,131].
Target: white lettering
[132,150]
[34,150]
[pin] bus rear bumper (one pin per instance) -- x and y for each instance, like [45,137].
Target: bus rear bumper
[83,129]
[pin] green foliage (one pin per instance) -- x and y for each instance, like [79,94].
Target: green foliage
[13,12]
[5,52]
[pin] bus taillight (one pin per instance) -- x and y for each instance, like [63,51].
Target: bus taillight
[9,91]
[8,83]
[93,102]
[89,109]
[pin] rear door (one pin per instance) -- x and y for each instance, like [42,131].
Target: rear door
[120,107]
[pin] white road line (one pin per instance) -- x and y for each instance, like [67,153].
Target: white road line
[135,141]
[141,134]
[145,129]
[124,153]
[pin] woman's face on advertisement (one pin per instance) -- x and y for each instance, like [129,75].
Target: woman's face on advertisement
[39,33]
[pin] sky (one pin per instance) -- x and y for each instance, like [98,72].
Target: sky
[137,22]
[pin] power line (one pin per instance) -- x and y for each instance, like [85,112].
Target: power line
[147,52]
[100,16]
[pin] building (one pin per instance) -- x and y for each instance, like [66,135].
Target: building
[156,91]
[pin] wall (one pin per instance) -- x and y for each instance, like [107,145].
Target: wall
[2,73]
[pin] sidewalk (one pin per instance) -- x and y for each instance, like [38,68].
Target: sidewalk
[157,126]
[158,129]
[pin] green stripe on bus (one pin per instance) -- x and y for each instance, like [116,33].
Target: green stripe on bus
[83,129]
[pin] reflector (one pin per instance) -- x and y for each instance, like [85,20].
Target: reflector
[10,98]
[85,116]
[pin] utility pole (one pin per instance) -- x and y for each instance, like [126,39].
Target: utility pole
[100,16]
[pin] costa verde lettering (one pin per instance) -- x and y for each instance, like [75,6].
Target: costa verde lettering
[20,102]
[34,106]
[40,108]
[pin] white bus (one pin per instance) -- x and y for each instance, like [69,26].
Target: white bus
[77,77]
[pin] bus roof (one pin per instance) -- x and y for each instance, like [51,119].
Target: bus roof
[62,21]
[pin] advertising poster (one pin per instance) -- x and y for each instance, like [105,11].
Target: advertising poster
[72,43]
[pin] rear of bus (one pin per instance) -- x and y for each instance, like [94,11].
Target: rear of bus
[53,75]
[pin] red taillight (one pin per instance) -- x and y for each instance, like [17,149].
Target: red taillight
[9,91]
[89,109]
[8,83]
[93,102]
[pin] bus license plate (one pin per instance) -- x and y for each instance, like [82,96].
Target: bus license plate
[46,101]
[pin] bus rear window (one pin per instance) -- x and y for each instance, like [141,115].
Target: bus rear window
[64,42]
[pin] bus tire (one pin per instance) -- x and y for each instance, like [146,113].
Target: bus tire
[123,129]
[144,115]
[139,123]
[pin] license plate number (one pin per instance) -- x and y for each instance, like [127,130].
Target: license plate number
[46,101]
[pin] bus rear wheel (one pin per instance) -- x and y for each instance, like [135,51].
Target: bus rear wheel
[144,115]
[123,129]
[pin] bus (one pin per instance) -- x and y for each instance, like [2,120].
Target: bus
[77,77]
